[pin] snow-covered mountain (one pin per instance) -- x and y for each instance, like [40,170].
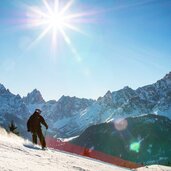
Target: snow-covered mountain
[18,154]
[70,116]
[158,95]
[12,107]
[64,114]
[61,115]
[155,98]
[34,100]
[34,97]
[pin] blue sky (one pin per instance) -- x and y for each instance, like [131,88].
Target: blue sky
[127,43]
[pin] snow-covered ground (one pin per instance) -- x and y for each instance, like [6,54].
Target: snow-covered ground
[18,154]
[154,168]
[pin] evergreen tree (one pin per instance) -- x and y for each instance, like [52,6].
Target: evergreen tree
[13,128]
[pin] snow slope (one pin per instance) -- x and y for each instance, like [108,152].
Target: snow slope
[154,168]
[19,154]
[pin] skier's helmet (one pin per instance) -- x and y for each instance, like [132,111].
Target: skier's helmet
[38,111]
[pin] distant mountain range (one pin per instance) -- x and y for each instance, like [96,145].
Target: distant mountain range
[70,116]
[142,139]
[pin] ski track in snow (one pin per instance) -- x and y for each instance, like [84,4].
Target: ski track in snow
[18,154]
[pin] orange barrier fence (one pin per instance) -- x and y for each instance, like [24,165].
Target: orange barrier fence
[68,147]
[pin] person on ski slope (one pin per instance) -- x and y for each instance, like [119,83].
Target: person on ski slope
[34,126]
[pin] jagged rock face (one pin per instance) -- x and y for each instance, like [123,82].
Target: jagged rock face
[117,98]
[155,98]
[155,92]
[68,106]
[123,96]
[159,95]
[2,88]
[10,103]
[34,97]
[64,114]
[61,115]
[144,139]
[12,107]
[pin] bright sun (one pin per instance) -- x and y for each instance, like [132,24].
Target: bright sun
[53,18]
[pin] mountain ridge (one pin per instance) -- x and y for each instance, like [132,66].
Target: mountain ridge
[70,116]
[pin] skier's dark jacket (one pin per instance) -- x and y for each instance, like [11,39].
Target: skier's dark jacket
[35,121]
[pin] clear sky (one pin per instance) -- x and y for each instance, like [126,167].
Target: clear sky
[125,43]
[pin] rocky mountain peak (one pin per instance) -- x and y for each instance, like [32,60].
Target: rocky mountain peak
[127,88]
[106,99]
[168,76]
[34,97]
[2,87]
[64,98]
[108,95]
[4,91]
[68,99]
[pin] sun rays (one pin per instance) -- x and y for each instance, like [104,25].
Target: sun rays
[56,19]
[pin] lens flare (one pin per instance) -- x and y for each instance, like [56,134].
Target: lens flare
[135,146]
[120,124]
[56,18]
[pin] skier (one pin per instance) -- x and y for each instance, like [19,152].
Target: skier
[34,126]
